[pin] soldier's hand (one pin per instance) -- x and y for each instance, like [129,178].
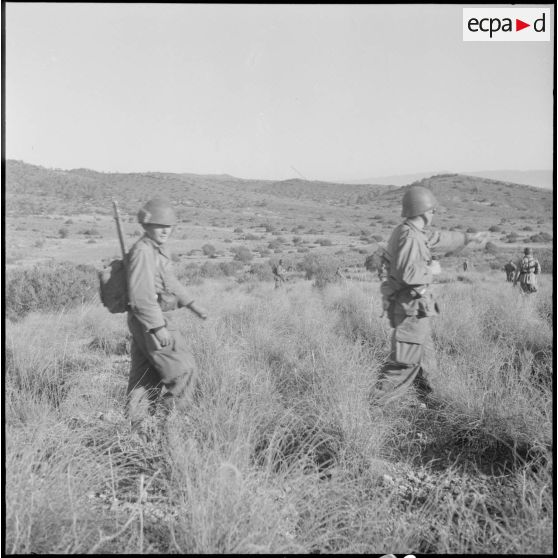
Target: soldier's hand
[435,267]
[163,336]
[198,311]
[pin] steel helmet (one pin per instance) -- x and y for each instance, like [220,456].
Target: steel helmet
[417,200]
[527,251]
[157,211]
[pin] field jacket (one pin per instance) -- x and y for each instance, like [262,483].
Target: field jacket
[151,280]
[527,268]
[409,253]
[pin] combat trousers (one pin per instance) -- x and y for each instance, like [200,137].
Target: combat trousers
[154,367]
[412,359]
[528,282]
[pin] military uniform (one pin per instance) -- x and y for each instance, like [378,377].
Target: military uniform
[278,275]
[410,305]
[527,270]
[154,291]
[510,268]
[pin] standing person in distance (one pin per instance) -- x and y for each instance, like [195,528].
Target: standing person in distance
[527,269]
[407,296]
[160,355]
[278,273]
[510,268]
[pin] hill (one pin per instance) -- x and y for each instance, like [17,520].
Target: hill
[288,216]
[537,178]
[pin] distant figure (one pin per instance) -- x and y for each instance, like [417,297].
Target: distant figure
[378,263]
[510,268]
[465,265]
[338,274]
[527,270]
[278,273]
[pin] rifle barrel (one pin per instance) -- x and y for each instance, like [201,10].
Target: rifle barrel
[119,229]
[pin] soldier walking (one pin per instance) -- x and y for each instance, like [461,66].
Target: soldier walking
[526,272]
[278,273]
[510,268]
[407,297]
[161,358]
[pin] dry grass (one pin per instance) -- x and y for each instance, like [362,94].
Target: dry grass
[283,452]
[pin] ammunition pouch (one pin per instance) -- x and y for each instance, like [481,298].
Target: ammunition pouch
[407,302]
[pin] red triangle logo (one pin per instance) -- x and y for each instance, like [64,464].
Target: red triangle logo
[519,25]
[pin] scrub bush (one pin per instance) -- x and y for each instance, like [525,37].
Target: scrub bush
[49,287]
[208,250]
[242,254]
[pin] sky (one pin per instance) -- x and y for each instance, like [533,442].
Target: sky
[323,92]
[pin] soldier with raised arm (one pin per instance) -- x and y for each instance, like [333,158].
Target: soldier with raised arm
[407,297]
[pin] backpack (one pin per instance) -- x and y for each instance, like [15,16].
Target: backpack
[113,287]
[528,265]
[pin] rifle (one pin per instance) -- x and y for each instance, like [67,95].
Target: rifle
[120,235]
[113,278]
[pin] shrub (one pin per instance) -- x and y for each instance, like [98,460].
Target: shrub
[50,287]
[324,242]
[39,243]
[209,250]
[472,230]
[527,228]
[495,228]
[230,268]
[296,239]
[63,232]
[211,269]
[491,248]
[189,273]
[320,268]
[90,232]
[238,230]
[378,237]
[260,271]
[274,244]
[251,236]
[242,254]
[541,237]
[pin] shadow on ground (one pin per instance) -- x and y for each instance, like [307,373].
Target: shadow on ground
[441,438]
